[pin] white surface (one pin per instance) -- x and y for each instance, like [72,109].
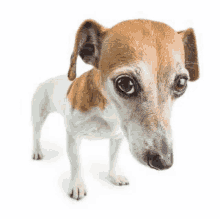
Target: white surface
[36,44]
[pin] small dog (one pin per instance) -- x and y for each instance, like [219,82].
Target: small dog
[140,68]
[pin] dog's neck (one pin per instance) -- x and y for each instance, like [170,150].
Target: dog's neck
[84,93]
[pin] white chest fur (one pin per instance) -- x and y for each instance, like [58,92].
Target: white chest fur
[96,128]
[95,124]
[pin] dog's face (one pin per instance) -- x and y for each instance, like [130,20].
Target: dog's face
[143,67]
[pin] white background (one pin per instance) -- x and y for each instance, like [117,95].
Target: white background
[36,41]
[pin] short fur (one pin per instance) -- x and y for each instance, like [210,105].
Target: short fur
[152,57]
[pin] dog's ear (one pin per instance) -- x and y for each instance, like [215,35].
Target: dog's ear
[87,44]
[191,58]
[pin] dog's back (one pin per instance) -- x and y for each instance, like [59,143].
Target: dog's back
[50,96]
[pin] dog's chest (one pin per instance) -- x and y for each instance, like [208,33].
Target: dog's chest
[98,128]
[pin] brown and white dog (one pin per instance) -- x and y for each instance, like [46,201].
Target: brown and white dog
[140,68]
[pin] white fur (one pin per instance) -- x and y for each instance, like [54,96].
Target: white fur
[95,124]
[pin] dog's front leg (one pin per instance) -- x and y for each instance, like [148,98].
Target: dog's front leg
[77,188]
[114,175]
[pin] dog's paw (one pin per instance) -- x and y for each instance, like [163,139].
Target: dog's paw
[77,189]
[118,180]
[37,155]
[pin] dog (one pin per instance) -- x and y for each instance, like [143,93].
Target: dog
[140,68]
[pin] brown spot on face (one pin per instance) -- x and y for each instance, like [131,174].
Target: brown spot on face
[84,93]
[136,40]
[127,43]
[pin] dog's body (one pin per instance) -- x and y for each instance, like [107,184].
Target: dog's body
[140,68]
[95,124]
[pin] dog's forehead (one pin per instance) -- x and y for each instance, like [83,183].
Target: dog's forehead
[133,41]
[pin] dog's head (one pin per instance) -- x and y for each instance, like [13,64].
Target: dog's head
[142,68]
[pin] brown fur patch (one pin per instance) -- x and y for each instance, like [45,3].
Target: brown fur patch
[191,56]
[87,45]
[126,43]
[84,94]
[135,40]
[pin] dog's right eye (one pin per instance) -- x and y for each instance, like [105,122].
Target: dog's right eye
[180,85]
[125,85]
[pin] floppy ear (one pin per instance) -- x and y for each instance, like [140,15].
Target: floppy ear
[191,59]
[87,44]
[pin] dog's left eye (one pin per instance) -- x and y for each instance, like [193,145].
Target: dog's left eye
[180,85]
[125,85]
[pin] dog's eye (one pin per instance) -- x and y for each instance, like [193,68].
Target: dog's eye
[125,85]
[180,85]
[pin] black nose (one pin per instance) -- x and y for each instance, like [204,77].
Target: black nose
[155,161]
